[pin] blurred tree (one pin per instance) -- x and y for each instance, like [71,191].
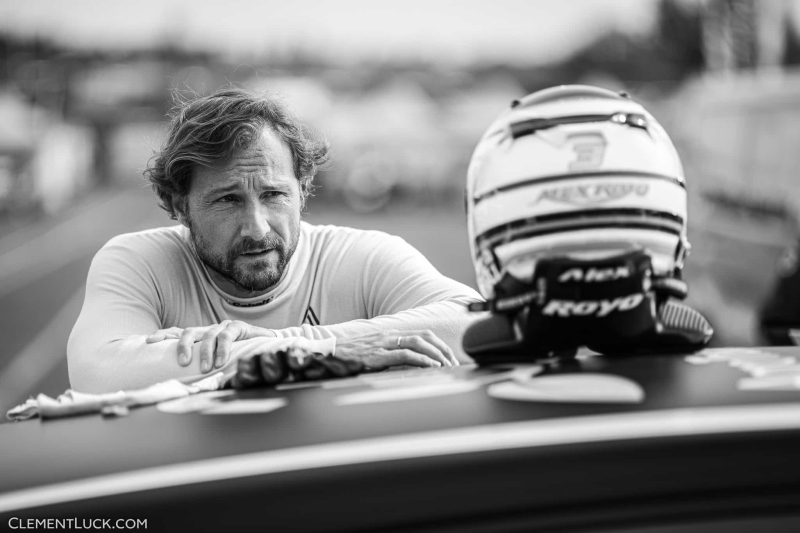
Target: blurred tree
[791,46]
[678,39]
[729,34]
[673,51]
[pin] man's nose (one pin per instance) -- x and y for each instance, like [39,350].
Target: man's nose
[255,222]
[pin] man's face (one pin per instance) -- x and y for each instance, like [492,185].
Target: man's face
[244,216]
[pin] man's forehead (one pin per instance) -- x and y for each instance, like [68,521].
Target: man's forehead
[267,150]
[267,157]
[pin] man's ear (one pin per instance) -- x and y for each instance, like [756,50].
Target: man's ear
[180,206]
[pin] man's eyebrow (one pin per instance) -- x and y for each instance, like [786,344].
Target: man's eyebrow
[233,187]
[223,189]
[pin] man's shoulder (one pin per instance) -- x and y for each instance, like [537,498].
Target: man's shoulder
[149,245]
[328,234]
[356,250]
[158,238]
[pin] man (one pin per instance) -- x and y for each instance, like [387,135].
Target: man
[779,313]
[235,171]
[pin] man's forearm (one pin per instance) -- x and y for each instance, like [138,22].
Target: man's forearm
[447,319]
[131,363]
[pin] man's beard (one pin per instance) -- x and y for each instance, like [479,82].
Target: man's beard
[254,276]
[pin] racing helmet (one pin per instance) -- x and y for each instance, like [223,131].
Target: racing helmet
[574,172]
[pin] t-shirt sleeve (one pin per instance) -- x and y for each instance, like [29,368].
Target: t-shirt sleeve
[123,304]
[122,296]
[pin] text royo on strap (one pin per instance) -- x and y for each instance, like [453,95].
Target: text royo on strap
[567,308]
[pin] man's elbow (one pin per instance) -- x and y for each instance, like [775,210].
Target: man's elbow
[84,375]
[89,369]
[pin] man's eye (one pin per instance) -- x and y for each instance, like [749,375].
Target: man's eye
[273,194]
[228,198]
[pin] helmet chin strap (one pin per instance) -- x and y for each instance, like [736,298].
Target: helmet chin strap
[613,306]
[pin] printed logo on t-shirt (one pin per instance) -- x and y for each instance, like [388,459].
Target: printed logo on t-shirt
[254,304]
[311,317]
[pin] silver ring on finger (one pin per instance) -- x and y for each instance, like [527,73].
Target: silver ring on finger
[399,338]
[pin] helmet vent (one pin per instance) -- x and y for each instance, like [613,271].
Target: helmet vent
[527,127]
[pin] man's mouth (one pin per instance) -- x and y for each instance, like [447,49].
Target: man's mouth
[258,253]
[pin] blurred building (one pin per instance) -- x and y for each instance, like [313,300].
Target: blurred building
[44,161]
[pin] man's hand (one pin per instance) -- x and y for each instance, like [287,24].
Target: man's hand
[374,351]
[216,341]
[354,355]
[393,348]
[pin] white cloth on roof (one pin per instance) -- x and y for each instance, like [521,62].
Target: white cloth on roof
[74,403]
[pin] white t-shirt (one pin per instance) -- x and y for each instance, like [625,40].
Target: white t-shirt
[341,282]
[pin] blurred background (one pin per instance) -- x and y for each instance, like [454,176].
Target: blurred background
[403,90]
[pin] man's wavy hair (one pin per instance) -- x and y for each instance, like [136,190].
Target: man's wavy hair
[210,130]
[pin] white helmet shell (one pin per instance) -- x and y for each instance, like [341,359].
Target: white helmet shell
[574,171]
